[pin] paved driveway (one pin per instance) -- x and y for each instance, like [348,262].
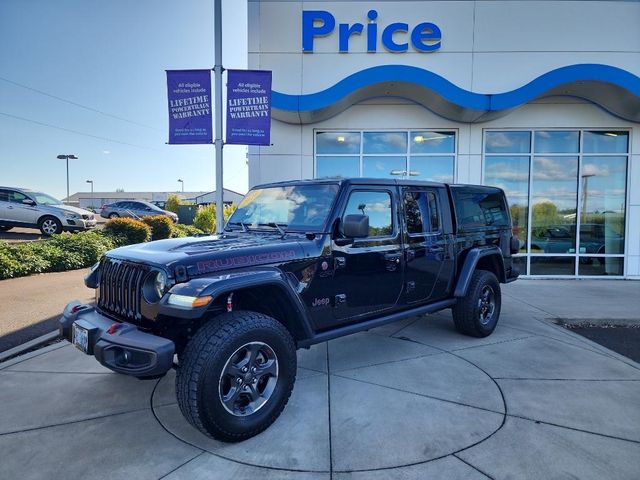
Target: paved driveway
[409,400]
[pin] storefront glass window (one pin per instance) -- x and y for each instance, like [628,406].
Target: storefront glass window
[338,142]
[435,168]
[384,166]
[338,166]
[556,141]
[567,201]
[606,142]
[508,142]
[511,173]
[418,154]
[385,142]
[433,142]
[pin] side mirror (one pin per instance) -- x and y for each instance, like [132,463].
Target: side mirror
[355,226]
[28,201]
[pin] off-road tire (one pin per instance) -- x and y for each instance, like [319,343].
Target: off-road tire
[205,357]
[467,311]
[44,223]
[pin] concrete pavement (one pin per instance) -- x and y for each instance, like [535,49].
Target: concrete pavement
[30,306]
[408,400]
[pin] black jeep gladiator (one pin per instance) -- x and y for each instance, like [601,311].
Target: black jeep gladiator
[298,263]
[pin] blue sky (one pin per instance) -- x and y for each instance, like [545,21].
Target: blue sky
[110,56]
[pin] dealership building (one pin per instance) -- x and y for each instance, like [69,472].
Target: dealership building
[540,98]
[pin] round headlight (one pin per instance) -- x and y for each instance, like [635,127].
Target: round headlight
[160,284]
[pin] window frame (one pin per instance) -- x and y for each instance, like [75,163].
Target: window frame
[408,154]
[394,223]
[581,154]
[426,191]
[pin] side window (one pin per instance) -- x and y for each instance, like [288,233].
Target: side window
[415,208]
[434,214]
[421,210]
[4,196]
[16,197]
[480,207]
[377,205]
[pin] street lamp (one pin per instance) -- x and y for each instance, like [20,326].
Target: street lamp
[67,157]
[182,182]
[92,205]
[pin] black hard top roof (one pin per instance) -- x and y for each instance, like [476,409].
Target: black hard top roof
[371,181]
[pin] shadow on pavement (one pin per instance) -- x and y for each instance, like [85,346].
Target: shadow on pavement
[30,332]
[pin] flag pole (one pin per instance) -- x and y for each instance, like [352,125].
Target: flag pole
[217,108]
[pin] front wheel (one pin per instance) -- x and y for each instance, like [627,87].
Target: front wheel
[50,225]
[236,375]
[477,313]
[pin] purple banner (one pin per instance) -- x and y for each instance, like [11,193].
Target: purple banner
[189,94]
[249,107]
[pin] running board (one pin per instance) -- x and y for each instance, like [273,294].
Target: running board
[376,322]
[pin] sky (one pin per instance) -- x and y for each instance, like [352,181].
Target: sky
[106,62]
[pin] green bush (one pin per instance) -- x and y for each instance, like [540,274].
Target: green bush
[205,219]
[180,230]
[60,253]
[127,230]
[161,226]
[172,203]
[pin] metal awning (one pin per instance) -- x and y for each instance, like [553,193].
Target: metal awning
[615,90]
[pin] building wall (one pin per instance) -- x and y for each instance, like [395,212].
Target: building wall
[487,47]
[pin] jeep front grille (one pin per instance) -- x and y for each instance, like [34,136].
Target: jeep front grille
[120,288]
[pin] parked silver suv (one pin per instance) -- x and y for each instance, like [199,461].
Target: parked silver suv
[20,207]
[135,209]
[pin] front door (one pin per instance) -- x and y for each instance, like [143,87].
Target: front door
[368,273]
[16,211]
[426,251]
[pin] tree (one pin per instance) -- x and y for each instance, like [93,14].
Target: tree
[172,203]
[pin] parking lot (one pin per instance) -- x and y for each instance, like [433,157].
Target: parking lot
[408,400]
[19,234]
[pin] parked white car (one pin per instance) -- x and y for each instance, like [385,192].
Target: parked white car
[20,207]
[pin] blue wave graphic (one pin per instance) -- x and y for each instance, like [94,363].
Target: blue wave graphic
[454,94]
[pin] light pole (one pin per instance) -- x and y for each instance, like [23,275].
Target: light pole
[182,182]
[92,205]
[67,157]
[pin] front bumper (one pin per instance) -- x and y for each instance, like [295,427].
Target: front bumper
[79,224]
[124,349]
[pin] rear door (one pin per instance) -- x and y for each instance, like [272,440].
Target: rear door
[426,246]
[4,205]
[368,273]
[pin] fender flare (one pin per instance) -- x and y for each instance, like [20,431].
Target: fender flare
[222,284]
[470,264]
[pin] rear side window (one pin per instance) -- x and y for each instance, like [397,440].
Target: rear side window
[4,196]
[479,207]
[421,211]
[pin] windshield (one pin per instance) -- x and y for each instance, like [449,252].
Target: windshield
[152,206]
[294,207]
[44,199]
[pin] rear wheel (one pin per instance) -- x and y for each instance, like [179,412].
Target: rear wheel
[50,225]
[477,313]
[113,215]
[236,375]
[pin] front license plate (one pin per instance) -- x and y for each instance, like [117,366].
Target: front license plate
[80,338]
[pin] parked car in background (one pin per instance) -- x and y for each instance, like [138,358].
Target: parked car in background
[20,207]
[594,238]
[134,209]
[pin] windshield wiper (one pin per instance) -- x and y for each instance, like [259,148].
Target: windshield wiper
[275,225]
[242,224]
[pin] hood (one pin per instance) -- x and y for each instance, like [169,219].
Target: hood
[67,208]
[200,255]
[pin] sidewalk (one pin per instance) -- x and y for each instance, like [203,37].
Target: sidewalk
[410,400]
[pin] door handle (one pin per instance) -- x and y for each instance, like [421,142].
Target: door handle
[392,257]
[436,249]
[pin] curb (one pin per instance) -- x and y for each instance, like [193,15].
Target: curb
[12,352]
